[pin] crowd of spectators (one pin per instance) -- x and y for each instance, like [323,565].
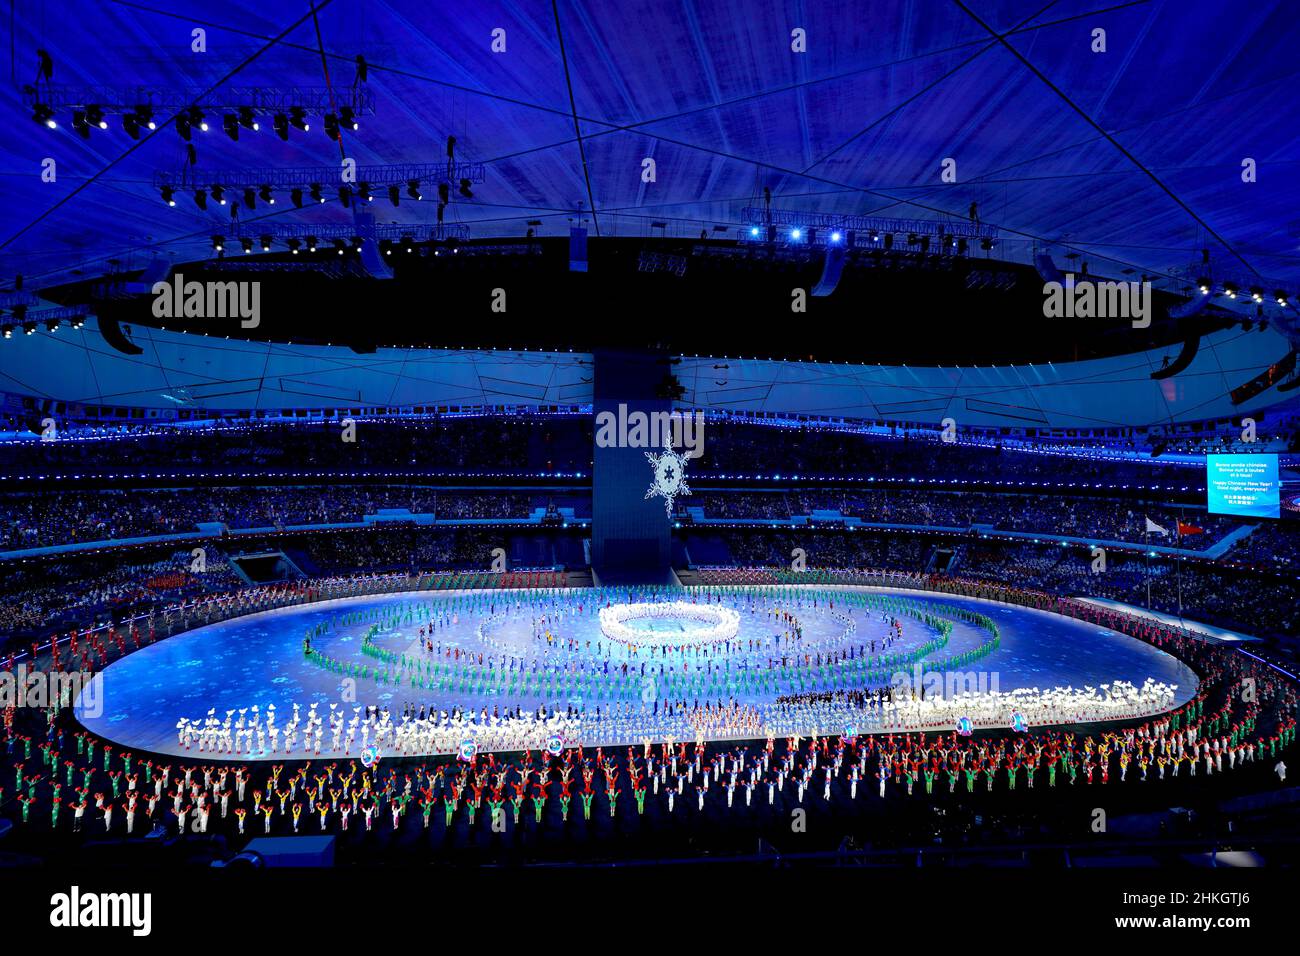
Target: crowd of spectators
[42,519]
[1242,601]
[1100,518]
[763,449]
[1216,595]
[447,445]
[395,548]
[40,597]
[826,549]
[534,443]
[1271,546]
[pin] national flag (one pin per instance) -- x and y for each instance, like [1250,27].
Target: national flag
[1189,528]
[1153,528]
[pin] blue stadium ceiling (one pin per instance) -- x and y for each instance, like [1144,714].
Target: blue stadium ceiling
[1132,157]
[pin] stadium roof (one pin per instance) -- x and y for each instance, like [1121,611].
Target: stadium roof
[1133,154]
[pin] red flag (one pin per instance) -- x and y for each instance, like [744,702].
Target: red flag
[1189,529]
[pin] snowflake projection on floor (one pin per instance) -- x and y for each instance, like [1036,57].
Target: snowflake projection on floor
[669,476]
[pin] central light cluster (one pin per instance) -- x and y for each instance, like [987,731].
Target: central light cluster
[704,623]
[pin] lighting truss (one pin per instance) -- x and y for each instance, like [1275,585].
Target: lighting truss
[318,100]
[1202,280]
[865,225]
[304,177]
[329,267]
[17,298]
[283,231]
[62,313]
[658,261]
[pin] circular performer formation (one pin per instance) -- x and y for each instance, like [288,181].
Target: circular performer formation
[648,623]
[499,670]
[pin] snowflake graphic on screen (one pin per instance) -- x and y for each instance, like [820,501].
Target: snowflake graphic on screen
[670,476]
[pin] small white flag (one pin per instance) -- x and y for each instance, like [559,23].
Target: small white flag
[1153,528]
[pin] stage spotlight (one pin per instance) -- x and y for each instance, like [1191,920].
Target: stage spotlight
[386,246]
[311,243]
[444,193]
[7,331]
[340,246]
[230,123]
[52,325]
[795,234]
[986,244]
[413,189]
[315,193]
[182,126]
[363,191]
[80,125]
[280,123]
[248,119]
[408,243]
[835,237]
[29,328]
[331,126]
[1205,285]
[219,195]
[43,114]
[266,243]
[1257,293]
[394,195]
[218,243]
[465,190]
[196,119]
[95,116]
[1230,290]
[247,245]
[753,230]
[131,126]
[345,196]
[295,194]
[298,118]
[294,244]
[78,321]
[889,240]
[168,195]
[962,247]
[201,198]
[356,243]
[250,197]
[348,117]
[265,194]
[1280,296]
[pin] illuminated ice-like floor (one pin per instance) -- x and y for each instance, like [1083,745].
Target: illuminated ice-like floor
[259,659]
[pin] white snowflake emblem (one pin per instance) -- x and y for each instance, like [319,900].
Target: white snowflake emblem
[669,476]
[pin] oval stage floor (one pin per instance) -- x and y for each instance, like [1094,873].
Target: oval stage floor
[258,660]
